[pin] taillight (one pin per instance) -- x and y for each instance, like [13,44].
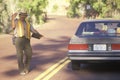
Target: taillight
[78,47]
[115,46]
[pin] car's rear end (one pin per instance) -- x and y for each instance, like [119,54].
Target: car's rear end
[93,46]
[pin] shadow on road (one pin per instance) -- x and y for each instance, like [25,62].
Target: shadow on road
[101,71]
[45,53]
[50,52]
[103,67]
[11,57]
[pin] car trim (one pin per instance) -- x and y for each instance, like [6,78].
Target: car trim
[94,58]
[77,50]
[116,50]
[91,51]
[94,55]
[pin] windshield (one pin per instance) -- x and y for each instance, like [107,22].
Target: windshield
[99,29]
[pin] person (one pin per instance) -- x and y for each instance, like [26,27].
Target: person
[22,32]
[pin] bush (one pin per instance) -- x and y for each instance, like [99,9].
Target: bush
[71,14]
[0,30]
[55,8]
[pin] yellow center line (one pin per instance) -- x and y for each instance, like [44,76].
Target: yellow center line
[52,70]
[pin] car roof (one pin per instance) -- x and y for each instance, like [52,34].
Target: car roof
[101,20]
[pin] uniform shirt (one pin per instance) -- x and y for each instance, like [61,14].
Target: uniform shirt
[25,31]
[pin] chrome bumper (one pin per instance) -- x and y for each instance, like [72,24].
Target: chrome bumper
[107,55]
[94,58]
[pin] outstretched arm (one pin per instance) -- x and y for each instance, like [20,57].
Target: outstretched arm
[32,29]
[35,31]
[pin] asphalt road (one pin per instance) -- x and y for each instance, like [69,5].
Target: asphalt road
[48,53]
[89,72]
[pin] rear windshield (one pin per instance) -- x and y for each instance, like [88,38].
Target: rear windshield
[99,29]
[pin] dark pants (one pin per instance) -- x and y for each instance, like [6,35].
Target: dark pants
[24,53]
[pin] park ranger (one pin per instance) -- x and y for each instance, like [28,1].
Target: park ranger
[22,32]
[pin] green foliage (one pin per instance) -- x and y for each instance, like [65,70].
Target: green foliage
[118,4]
[35,7]
[4,17]
[8,7]
[0,30]
[55,7]
[73,10]
[98,6]
[105,8]
[1,1]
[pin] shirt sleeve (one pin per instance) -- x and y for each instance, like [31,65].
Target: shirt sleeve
[32,29]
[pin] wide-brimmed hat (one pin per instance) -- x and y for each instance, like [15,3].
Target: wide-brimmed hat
[22,11]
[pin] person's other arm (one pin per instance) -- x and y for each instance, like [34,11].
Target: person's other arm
[13,24]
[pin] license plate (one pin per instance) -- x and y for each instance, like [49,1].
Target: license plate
[101,47]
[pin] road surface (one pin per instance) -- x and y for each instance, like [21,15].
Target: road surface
[49,60]
[46,52]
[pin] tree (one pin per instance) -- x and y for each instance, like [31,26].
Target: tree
[35,8]
[73,10]
[105,8]
[4,17]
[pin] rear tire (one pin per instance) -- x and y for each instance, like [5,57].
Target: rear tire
[75,65]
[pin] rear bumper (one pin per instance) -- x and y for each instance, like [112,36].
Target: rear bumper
[106,56]
[94,58]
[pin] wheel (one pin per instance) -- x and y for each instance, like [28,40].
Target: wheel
[75,65]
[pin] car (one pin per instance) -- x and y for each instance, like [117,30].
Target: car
[96,40]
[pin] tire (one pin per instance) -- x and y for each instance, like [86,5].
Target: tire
[75,65]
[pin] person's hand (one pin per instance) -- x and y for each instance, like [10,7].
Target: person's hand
[14,15]
[39,34]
